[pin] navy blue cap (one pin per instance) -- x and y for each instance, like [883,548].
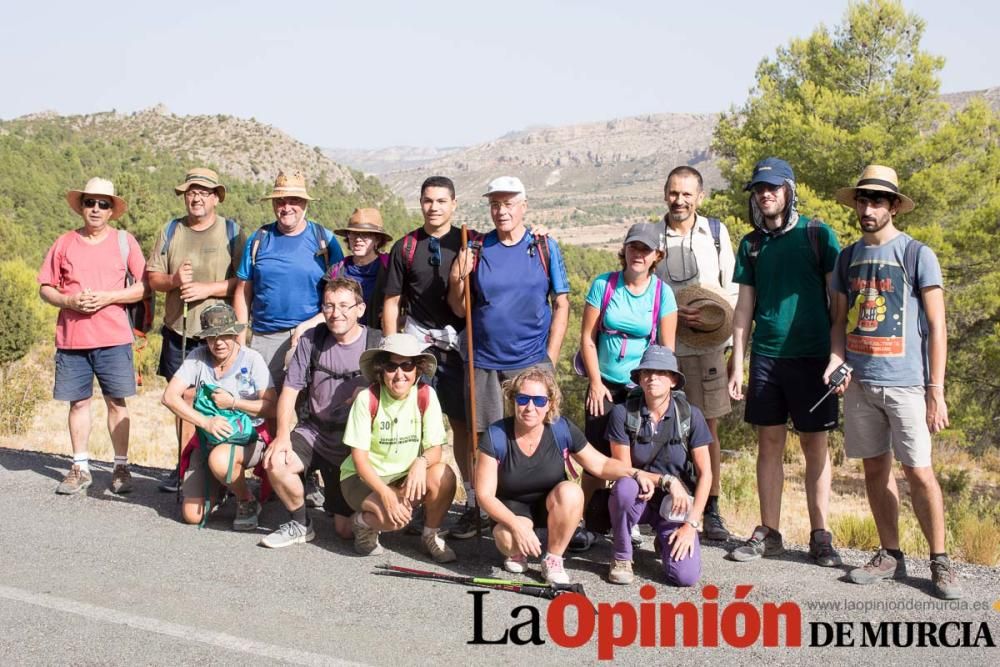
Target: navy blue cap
[771,170]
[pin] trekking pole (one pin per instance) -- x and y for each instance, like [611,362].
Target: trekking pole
[533,588]
[180,422]
[473,435]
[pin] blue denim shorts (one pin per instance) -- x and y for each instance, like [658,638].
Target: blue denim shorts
[75,371]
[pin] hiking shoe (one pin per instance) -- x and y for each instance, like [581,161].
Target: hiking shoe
[170,484]
[881,566]
[553,571]
[434,546]
[620,572]
[516,563]
[636,536]
[314,494]
[247,512]
[288,534]
[763,542]
[75,481]
[121,480]
[465,527]
[821,549]
[416,525]
[582,539]
[945,580]
[715,527]
[366,538]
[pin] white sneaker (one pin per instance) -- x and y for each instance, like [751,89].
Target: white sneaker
[553,571]
[516,563]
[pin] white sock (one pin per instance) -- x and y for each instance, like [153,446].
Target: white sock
[470,494]
[82,461]
[430,531]
[360,518]
[121,460]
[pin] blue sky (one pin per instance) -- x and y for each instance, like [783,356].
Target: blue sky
[371,74]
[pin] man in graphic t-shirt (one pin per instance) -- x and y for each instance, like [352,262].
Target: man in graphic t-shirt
[889,326]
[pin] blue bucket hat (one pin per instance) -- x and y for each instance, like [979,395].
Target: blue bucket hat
[770,170]
[659,358]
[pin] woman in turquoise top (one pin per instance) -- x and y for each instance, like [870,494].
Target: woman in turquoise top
[638,309]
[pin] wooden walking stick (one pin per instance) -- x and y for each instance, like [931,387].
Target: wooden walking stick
[180,422]
[473,435]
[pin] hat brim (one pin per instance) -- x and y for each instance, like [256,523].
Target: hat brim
[702,339]
[227,330]
[678,385]
[361,230]
[75,200]
[771,180]
[220,190]
[845,196]
[367,362]
[282,195]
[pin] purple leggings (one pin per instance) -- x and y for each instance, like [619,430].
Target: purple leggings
[627,511]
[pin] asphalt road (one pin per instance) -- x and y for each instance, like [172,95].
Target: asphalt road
[99,579]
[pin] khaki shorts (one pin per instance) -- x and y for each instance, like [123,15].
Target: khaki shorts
[197,471]
[355,490]
[707,384]
[880,419]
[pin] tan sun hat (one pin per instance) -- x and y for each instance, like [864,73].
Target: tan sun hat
[289,185]
[402,344]
[365,221]
[716,317]
[878,178]
[205,178]
[97,186]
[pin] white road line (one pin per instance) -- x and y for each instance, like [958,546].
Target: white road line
[184,632]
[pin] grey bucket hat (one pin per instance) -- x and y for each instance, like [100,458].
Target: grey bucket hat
[659,358]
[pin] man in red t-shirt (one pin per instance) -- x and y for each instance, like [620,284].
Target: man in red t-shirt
[83,275]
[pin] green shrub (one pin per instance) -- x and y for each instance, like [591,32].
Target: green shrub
[22,393]
[21,311]
[856,531]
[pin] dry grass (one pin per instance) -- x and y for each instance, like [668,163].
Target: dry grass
[978,540]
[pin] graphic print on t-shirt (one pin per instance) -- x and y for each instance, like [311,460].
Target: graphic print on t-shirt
[877,311]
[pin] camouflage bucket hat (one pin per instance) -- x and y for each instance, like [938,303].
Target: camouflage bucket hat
[220,320]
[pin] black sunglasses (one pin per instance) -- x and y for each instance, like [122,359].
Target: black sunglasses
[434,245]
[102,204]
[391,366]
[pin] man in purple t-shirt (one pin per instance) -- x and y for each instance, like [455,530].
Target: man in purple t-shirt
[326,365]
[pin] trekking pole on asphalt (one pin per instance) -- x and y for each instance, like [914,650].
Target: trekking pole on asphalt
[180,422]
[533,588]
[473,435]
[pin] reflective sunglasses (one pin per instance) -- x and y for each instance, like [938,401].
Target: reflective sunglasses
[391,366]
[434,245]
[102,204]
[539,401]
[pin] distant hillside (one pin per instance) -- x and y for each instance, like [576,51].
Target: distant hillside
[394,158]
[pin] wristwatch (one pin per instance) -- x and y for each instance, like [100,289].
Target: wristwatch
[693,523]
[665,482]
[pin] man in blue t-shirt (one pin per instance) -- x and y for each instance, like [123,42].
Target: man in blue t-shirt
[889,326]
[514,324]
[280,274]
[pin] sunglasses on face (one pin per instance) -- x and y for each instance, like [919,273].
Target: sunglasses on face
[391,366]
[539,401]
[434,245]
[102,204]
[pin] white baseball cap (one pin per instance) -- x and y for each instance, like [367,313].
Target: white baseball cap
[511,184]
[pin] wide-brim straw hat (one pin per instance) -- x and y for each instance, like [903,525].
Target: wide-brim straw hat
[716,317]
[365,221]
[205,178]
[402,344]
[101,187]
[880,179]
[289,185]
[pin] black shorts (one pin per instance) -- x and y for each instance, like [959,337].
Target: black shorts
[334,502]
[170,352]
[595,428]
[783,388]
[449,383]
[536,511]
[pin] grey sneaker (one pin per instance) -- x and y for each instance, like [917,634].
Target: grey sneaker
[434,546]
[945,580]
[763,542]
[121,480]
[821,549]
[247,512]
[170,484]
[314,494]
[75,481]
[465,527]
[365,538]
[715,527]
[881,566]
[620,572]
[288,534]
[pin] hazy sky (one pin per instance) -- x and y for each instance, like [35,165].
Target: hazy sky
[439,73]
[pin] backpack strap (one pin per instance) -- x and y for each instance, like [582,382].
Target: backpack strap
[755,239]
[423,398]
[609,290]
[844,262]
[498,437]
[633,414]
[715,226]
[383,258]
[911,255]
[258,240]
[169,236]
[563,437]
[540,246]
[232,233]
[319,339]
[123,251]
[324,247]
[409,248]
[657,296]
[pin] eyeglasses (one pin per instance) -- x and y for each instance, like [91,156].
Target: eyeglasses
[760,188]
[289,201]
[434,246]
[689,261]
[539,401]
[102,204]
[496,206]
[392,366]
[328,308]
[191,193]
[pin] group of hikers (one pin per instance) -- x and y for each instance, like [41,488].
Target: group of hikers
[286,357]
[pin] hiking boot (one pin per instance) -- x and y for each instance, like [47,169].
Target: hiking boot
[821,549]
[945,580]
[620,572]
[516,563]
[365,538]
[314,495]
[416,525]
[763,542]
[75,481]
[465,527]
[288,534]
[715,527]
[636,536]
[582,539]
[553,571]
[170,484]
[247,512]
[881,566]
[434,546]
[121,480]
